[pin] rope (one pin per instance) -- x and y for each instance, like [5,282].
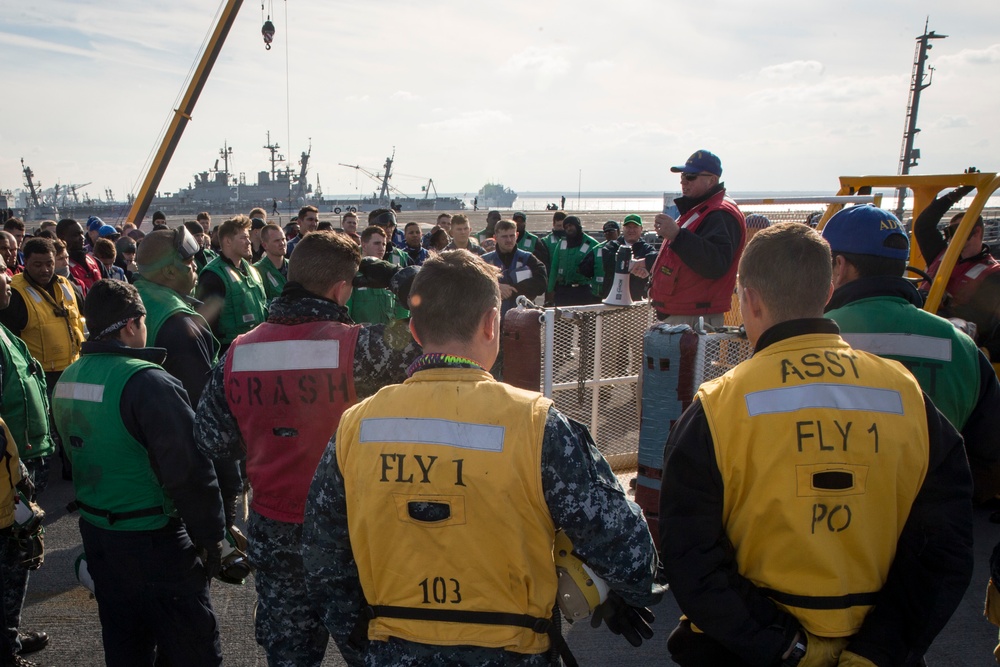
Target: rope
[288,108]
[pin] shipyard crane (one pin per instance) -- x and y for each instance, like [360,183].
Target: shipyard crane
[427,188]
[386,187]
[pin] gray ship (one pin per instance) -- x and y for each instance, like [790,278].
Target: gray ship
[220,191]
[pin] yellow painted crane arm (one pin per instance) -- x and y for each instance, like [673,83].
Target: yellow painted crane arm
[182,115]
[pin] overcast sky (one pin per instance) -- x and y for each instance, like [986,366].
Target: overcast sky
[538,95]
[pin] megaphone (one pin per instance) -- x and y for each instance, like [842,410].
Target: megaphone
[620,294]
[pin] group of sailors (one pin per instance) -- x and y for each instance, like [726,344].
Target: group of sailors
[816,503]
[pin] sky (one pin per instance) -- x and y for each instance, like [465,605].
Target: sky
[550,95]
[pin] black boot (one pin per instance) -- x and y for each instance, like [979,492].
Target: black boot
[32,641]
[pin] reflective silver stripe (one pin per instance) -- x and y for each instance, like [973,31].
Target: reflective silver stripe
[690,221]
[80,391]
[974,272]
[287,355]
[67,291]
[836,396]
[482,437]
[34,294]
[901,344]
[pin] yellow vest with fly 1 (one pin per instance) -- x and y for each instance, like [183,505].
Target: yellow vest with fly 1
[447,518]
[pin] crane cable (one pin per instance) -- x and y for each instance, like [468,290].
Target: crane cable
[120,217]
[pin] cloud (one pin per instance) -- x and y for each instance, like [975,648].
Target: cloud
[403,96]
[14,42]
[599,68]
[796,69]
[545,64]
[644,135]
[470,122]
[987,56]
[950,123]
[856,91]
[358,98]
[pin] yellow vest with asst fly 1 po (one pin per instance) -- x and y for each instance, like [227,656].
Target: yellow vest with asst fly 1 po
[822,449]
[449,462]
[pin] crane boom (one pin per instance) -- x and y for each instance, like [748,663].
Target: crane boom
[182,115]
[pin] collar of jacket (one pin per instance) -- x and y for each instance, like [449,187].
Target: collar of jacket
[685,204]
[791,328]
[157,355]
[874,286]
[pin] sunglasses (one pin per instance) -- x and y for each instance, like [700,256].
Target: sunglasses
[692,177]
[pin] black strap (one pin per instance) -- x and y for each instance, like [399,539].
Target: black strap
[114,517]
[822,601]
[540,625]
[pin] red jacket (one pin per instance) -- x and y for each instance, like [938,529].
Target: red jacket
[87,274]
[287,386]
[675,288]
[967,275]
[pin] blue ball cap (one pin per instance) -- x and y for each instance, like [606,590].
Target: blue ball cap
[94,223]
[106,230]
[863,230]
[701,161]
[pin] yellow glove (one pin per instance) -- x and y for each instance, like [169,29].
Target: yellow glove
[822,651]
[848,659]
[992,608]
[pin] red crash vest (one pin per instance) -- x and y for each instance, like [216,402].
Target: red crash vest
[287,387]
[676,289]
[964,280]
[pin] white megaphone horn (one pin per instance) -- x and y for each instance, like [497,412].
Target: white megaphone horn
[620,294]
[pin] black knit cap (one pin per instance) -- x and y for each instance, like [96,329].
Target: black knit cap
[109,305]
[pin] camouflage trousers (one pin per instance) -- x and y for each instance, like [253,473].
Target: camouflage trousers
[288,625]
[38,468]
[13,584]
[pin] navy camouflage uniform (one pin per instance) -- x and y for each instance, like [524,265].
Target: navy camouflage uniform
[584,499]
[288,625]
[13,583]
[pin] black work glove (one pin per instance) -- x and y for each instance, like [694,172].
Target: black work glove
[401,283]
[26,486]
[959,192]
[211,559]
[632,623]
[229,507]
[374,273]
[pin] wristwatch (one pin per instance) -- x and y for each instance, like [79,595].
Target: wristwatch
[798,652]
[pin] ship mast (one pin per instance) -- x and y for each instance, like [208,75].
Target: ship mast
[29,180]
[225,153]
[276,157]
[302,186]
[909,155]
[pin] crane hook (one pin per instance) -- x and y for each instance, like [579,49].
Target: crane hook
[268,32]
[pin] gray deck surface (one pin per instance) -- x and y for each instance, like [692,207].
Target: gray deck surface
[64,609]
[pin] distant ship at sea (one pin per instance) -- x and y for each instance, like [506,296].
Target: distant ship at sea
[219,190]
[495,195]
